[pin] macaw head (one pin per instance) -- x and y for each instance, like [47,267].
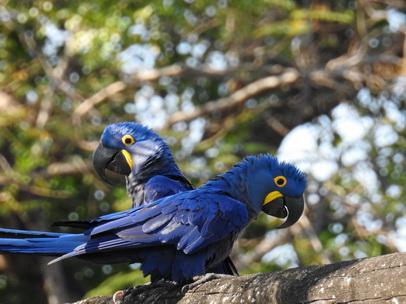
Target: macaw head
[265,184]
[284,192]
[125,148]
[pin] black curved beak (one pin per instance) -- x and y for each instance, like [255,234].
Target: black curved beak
[285,206]
[111,159]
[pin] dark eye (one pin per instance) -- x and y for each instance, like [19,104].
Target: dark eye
[280,181]
[127,140]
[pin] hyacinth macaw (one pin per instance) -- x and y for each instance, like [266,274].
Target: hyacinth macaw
[180,236]
[133,150]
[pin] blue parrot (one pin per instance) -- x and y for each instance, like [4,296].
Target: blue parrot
[133,150]
[180,236]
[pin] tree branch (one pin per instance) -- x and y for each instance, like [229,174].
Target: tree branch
[289,76]
[109,91]
[372,280]
[145,75]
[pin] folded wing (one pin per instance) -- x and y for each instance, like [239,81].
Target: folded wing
[188,221]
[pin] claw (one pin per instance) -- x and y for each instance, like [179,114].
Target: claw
[199,280]
[118,297]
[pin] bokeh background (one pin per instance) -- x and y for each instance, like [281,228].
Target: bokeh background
[321,84]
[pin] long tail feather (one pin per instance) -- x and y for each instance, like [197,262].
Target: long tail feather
[15,233]
[36,242]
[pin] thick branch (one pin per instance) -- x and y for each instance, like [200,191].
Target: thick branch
[372,280]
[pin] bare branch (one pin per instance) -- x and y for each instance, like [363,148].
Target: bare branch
[57,169]
[89,103]
[287,77]
[145,75]
[178,70]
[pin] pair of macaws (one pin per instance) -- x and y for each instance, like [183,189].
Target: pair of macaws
[175,231]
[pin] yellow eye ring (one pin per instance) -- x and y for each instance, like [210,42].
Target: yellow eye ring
[127,140]
[280,181]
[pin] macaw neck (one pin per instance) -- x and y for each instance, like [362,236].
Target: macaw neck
[236,183]
[159,163]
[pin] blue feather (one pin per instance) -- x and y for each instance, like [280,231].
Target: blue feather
[156,223]
[176,237]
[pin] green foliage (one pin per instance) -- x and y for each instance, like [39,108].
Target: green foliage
[116,282]
[57,57]
[262,267]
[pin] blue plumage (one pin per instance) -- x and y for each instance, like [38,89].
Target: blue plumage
[179,236]
[141,155]
[133,150]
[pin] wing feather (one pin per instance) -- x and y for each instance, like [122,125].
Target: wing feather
[187,221]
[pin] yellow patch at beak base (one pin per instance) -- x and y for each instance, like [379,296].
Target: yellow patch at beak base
[271,196]
[128,158]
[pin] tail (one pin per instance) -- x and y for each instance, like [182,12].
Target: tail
[37,242]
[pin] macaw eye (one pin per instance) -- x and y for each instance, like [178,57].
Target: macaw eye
[127,140]
[280,181]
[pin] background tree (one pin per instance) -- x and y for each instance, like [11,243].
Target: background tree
[322,80]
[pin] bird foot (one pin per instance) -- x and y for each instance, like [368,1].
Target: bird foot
[118,296]
[143,288]
[199,280]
